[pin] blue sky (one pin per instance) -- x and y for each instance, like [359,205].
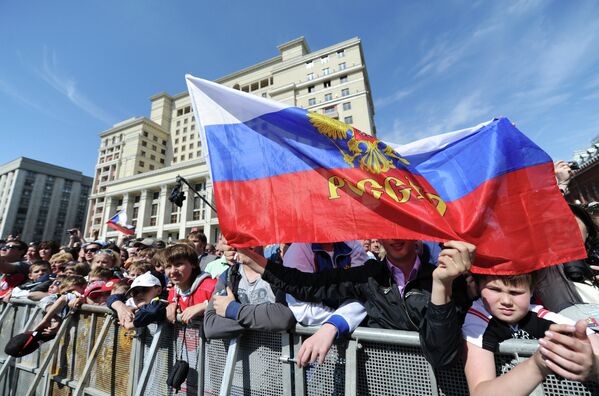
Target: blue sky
[71,69]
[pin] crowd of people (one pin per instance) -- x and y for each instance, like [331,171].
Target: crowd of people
[394,284]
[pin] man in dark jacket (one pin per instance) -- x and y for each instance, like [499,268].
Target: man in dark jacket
[403,292]
[242,300]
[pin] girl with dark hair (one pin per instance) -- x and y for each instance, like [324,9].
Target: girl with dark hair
[47,249]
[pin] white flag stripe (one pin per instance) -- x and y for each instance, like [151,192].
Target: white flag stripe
[233,106]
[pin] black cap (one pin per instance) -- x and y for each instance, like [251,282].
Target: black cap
[25,343]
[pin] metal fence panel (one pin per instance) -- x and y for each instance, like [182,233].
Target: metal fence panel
[110,372]
[163,361]
[327,378]
[385,370]
[216,356]
[259,370]
[385,364]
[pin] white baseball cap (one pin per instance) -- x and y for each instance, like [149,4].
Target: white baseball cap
[144,280]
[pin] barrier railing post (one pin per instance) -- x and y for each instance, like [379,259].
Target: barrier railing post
[61,332]
[225,386]
[5,312]
[300,373]
[287,349]
[10,359]
[91,359]
[145,374]
[136,361]
[201,365]
[351,368]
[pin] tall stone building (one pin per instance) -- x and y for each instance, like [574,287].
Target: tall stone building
[41,201]
[584,186]
[140,158]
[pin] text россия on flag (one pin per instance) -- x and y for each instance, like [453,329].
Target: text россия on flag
[283,174]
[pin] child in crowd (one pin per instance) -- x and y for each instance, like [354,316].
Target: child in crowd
[54,288]
[503,312]
[138,268]
[145,294]
[159,261]
[192,288]
[76,268]
[100,274]
[117,302]
[110,259]
[72,288]
[39,280]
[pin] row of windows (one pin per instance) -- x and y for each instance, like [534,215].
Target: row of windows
[254,86]
[153,157]
[327,84]
[113,140]
[184,139]
[176,149]
[326,71]
[192,128]
[108,158]
[110,150]
[143,164]
[328,97]
[189,156]
[153,147]
[154,137]
[325,59]
[183,110]
[186,120]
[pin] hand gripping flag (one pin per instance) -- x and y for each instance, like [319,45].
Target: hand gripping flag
[284,174]
[119,223]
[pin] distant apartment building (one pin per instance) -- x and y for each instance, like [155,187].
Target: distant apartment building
[140,158]
[584,186]
[41,201]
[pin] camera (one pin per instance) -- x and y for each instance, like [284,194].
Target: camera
[573,165]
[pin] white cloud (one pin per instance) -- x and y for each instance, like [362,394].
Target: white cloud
[469,110]
[68,87]
[521,7]
[393,98]
[440,58]
[17,95]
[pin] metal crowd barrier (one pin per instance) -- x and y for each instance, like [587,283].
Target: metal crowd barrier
[93,356]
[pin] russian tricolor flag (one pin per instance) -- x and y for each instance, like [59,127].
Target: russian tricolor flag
[283,174]
[119,223]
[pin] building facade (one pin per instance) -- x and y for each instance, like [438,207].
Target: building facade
[584,186]
[140,158]
[40,201]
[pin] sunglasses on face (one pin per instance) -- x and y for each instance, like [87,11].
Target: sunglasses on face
[9,247]
[56,283]
[92,250]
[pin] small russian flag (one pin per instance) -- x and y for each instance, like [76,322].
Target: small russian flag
[119,223]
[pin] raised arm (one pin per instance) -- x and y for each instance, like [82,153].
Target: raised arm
[440,331]
[336,284]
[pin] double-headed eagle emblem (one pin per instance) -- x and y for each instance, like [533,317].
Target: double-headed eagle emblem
[373,155]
